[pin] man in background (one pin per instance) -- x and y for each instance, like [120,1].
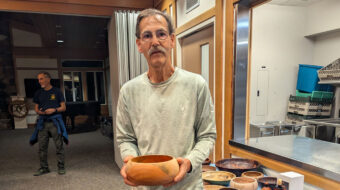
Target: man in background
[49,103]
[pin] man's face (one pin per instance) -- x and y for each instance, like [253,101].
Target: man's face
[155,42]
[43,80]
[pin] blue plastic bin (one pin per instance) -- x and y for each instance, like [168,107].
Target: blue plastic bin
[308,79]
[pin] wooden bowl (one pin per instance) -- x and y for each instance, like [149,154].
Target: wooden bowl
[237,165]
[206,161]
[217,187]
[218,177]
[206,168]
[252,174]
[244,183]
[270,181]
[152,170]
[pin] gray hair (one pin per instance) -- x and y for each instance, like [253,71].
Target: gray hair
[45,73]
[151,12]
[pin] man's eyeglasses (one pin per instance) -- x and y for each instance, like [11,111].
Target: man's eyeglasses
[160,35]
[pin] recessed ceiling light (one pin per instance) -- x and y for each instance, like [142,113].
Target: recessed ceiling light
[60,41]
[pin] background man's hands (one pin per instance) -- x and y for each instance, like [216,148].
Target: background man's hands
[50,111]
[184,168]
[41,112]
[123,172]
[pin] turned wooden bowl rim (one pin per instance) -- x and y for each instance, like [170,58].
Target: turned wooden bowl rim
[252,174]
[268,180]
[151,159]
[206,168]
[244,180]
[235,163]
[207,175]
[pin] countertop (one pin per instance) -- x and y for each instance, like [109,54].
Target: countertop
[320,157]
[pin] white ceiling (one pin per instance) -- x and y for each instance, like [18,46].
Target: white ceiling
[299,3]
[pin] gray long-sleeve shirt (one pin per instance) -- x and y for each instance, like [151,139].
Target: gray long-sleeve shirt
[175,117]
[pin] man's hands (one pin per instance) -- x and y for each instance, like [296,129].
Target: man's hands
[184,168]
[123,172]
[48,111]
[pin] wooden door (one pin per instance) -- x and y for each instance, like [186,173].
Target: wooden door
[198,54]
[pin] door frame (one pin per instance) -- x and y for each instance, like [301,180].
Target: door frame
[207,23]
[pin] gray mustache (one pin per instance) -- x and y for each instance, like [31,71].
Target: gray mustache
[156,49]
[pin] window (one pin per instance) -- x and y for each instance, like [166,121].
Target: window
[73,88]
[95,86]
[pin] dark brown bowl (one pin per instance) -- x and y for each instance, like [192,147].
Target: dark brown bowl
[237,165]
[206,161]
[271,181]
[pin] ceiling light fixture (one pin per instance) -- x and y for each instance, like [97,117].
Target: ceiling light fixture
[60,41]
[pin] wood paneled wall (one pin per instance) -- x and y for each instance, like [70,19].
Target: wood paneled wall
[75,7]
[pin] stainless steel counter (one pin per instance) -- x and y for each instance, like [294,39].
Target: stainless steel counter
[312,155]
[330,122]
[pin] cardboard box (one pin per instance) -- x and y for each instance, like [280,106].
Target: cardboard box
[295,180]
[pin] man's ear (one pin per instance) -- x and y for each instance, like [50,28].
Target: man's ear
[173,40]
[138,42]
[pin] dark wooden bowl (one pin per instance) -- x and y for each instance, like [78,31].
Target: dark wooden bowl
[271,181]
[237,165]
[206,161]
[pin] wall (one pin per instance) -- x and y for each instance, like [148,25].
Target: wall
[278,43]
[30,74]
[326,48]
[322,17]
[183,17]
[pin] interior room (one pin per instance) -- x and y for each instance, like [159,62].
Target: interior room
[270,66]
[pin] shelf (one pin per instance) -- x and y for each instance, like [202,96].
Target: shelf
[332,82]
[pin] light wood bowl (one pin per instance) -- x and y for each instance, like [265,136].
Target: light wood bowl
[252,174]
[244,183]
[152,170]
[218,177]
